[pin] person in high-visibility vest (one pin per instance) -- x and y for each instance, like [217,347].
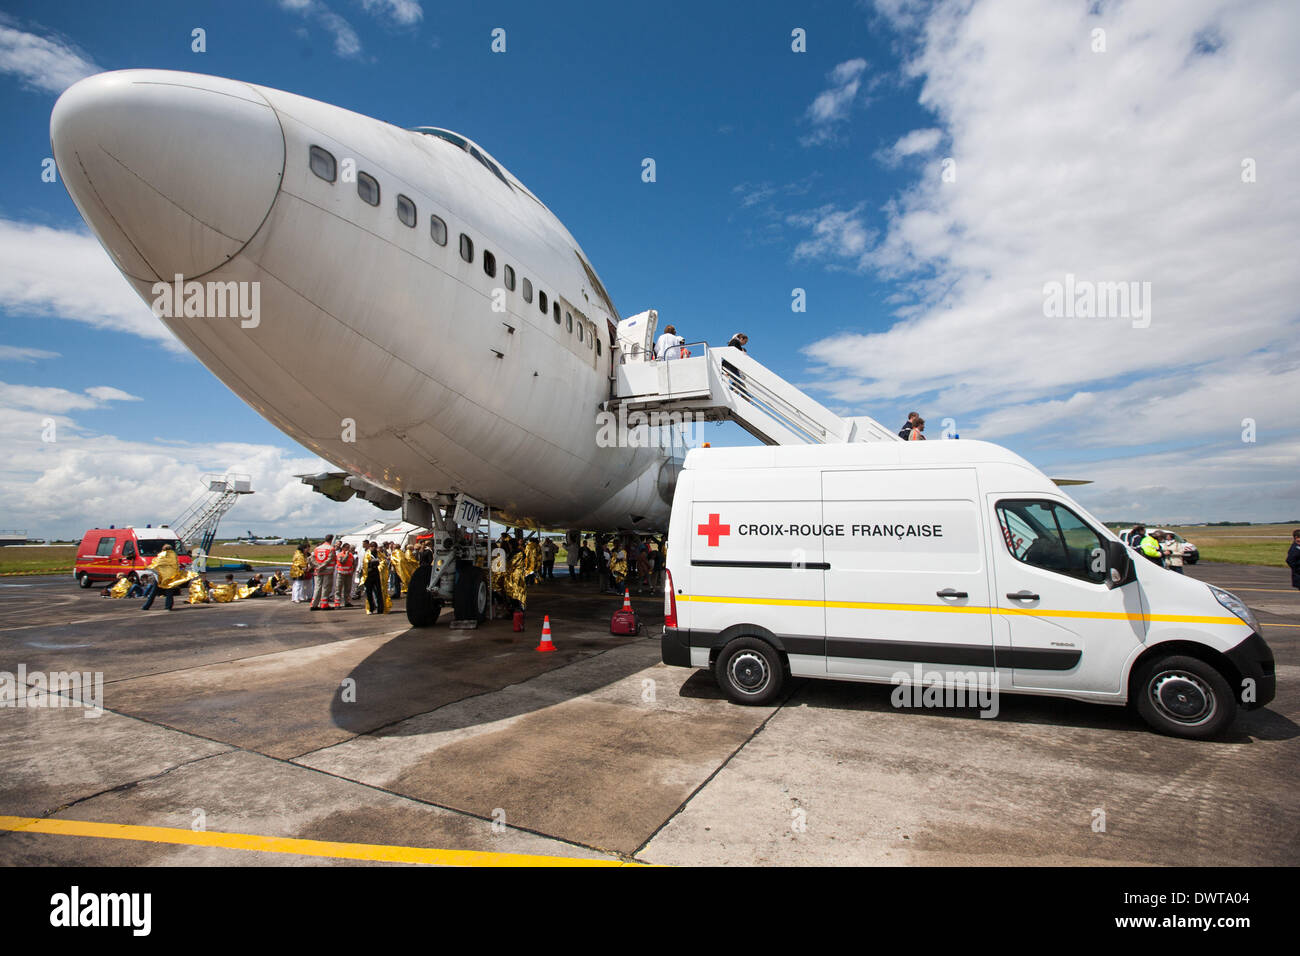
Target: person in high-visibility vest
[1150,549]
[322,565]
[345,565]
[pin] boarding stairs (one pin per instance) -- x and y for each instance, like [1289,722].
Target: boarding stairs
[725,384]
[197,525]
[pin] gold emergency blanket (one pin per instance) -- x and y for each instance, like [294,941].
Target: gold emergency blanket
[516,579]
[198,592]
[532,557]
[299,567]
[222,593]
[120,587]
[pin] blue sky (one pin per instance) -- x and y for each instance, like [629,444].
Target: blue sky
[820,170]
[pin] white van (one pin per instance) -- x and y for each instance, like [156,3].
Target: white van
[870,561]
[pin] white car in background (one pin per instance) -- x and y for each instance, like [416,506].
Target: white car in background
[1191,554]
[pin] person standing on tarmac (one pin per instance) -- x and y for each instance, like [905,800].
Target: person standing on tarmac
[298,574]
[1293,558]
[1150,549]
[549,550]
[322,565]
[344,565]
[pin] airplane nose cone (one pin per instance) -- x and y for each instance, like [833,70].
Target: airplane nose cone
[175,172]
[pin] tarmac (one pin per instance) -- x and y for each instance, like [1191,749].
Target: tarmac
[261,733]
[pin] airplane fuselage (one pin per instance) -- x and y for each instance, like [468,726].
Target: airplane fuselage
[476,363]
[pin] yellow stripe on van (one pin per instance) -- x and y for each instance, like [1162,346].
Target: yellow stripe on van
[967,609]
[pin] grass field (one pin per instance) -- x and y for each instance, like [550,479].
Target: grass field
[1263,544]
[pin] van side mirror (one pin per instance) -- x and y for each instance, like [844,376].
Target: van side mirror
[1119,565]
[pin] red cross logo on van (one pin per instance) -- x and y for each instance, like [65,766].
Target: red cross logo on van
[713,530]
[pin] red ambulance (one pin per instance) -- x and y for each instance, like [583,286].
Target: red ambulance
[106,551]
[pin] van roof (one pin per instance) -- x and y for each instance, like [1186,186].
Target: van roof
[146,534]
[920,454]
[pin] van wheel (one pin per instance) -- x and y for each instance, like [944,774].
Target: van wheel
[1185,697]
[83,580]
[750,671]
[422,608]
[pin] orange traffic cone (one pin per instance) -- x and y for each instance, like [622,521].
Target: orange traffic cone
[627,600]
[546,644]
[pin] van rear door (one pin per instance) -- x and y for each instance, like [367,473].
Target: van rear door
[756,559]
[907,580]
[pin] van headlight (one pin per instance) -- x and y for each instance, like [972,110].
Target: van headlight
[1236,605]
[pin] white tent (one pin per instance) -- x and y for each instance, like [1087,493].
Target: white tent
[381,531]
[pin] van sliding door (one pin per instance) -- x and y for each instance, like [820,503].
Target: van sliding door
[907,582]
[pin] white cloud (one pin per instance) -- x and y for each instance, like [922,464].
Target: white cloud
[836,234]
[66,273]
[917,142]
[831,106]
[1122,166]
[18,353]
[83,480]
[49,400]
[42,63]
[405,12]
[346,42]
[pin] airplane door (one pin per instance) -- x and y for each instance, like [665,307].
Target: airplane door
[1068,631]
[907,579]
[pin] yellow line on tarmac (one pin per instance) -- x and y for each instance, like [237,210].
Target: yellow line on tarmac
[373,852]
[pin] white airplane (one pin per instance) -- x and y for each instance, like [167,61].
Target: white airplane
[378,254]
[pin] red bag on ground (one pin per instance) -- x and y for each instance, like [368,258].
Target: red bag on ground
[625,622]
[519,620]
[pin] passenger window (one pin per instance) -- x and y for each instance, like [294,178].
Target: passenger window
[591,335]
[570,318]
[528,291]
[1050,536]
[105,547]
[128,551]
[489,264]
[556,308]
[322,164]
[368,188]
[541,301]
[597,346]
[466,248]
[569,327]
[510,278]
[438,229]
[406,210]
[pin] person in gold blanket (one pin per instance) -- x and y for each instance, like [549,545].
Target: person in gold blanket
[375,574]
[122,586]
[298,574]
[199,591]
[225,592]
[407,562]
[167,577]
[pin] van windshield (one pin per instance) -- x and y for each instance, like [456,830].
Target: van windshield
[152,546]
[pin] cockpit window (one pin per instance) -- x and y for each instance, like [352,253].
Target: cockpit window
[443,134]
[488,164]
[462,143]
